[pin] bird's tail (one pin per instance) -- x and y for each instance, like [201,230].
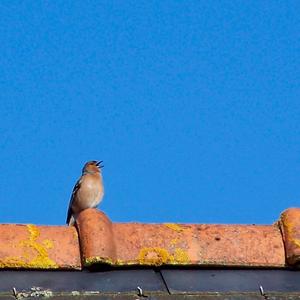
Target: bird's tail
[71,221]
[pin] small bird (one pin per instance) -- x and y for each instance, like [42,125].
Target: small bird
[88,190]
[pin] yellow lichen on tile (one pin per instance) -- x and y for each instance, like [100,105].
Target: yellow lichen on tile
[159,256]
[181,256]
[88,261]
[34,254]
[174,227]
[48,244]
[153,256]
[297,242]
[75,233]
[174,242]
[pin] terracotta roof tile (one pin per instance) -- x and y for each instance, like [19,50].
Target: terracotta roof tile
[96,240]
[39,247]
[178,244]
[290,226]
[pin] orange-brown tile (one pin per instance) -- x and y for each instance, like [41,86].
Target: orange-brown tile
[290,227]
[95,231]
[178,244]
[39,247]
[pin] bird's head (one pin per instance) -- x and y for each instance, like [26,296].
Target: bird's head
[92,167]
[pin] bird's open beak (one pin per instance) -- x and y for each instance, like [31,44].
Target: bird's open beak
[98,164]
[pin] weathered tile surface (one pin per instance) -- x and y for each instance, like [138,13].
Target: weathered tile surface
[290,227]
[176,244]
[39,247]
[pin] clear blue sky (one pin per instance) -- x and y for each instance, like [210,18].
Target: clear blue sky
[194,106]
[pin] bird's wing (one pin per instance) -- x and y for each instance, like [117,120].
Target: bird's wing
[75,189]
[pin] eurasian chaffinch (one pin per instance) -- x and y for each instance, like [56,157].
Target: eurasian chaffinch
[88,190]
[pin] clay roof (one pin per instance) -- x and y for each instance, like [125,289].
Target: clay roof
[173,255]
[98,241]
